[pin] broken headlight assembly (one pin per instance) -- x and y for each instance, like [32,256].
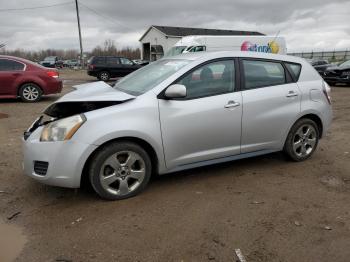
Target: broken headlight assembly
[62,129]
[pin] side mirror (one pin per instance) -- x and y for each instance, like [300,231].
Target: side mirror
[176,91]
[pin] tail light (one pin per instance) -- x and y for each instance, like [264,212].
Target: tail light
[91,67]
[53,74]
[326,91]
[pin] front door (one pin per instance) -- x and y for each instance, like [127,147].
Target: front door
[206,125]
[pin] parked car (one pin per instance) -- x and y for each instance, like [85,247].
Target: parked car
[338,74]
[106,67]
[52,62]
[29,81]
[178,113]
[141,62]
[73,63]
[320,65]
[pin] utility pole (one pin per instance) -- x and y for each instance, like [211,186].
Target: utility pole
[81,44]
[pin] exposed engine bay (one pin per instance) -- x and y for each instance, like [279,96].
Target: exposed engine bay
[65,109]
[86,97]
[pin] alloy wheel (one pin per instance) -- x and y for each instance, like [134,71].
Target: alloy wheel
[104,76]
[304,140]
[31,93]
[122,173]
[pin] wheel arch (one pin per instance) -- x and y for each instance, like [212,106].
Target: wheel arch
[316,119]
[141,142]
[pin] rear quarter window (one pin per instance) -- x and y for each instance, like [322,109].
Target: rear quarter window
[99,60]
[294,69]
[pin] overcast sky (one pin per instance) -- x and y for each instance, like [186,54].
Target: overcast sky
[306,24]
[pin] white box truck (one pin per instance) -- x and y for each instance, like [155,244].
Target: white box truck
[198,43]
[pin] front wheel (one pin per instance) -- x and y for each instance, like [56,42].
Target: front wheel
[120,170]
[30,93]
[302,140]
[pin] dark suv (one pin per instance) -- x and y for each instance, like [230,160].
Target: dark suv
[320,65]
[106,67]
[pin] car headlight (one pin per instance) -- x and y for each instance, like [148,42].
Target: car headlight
[62,129]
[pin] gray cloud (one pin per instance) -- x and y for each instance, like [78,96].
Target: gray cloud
[307,25]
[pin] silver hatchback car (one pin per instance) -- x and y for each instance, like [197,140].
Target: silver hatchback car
[178,113]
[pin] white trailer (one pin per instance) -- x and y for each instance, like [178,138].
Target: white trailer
[198,43]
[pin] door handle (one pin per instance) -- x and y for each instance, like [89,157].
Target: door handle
[291,94]
[231,103]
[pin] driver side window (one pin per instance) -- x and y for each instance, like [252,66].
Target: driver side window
[125,61]
[210,79]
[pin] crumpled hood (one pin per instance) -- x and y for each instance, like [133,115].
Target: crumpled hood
[97,91]
[87,97]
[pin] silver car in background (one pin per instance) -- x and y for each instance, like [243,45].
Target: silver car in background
[178,113]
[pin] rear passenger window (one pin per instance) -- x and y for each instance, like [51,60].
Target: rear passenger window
[10,65]
[294,69]
[113,61]
[263,73]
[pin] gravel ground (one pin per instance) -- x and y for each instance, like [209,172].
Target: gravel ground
[269,208]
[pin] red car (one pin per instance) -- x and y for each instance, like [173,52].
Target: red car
[27,80]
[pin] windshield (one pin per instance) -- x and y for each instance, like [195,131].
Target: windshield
[50,58]
[175,50]
[146,78]
[345,64]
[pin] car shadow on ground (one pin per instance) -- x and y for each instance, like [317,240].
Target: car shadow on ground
[233,168]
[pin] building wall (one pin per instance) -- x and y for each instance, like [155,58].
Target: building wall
[155,37]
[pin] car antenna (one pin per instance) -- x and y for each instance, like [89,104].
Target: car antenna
[278,32]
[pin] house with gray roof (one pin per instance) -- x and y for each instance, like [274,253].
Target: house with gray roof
[157,40]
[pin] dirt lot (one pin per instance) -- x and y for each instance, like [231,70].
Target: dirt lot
[269,208]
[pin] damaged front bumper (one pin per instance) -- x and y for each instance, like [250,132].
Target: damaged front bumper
[58,163]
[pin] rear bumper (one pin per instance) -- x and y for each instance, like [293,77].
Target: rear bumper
[53,87]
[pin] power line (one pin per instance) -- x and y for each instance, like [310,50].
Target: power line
[112,20]
[35,7]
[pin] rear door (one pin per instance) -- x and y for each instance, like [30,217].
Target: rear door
[271,100]
[114,66]
[10,70]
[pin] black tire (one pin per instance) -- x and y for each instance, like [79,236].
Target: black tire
[98,163]
[104,76]
[30,93]
[292,146]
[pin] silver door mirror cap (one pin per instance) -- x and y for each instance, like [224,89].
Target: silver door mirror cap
[176,91]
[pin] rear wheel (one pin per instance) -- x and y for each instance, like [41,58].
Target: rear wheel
[120,170]
[30,92]
[302,140]
[104,76]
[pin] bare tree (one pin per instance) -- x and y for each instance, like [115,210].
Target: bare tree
[108,48]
